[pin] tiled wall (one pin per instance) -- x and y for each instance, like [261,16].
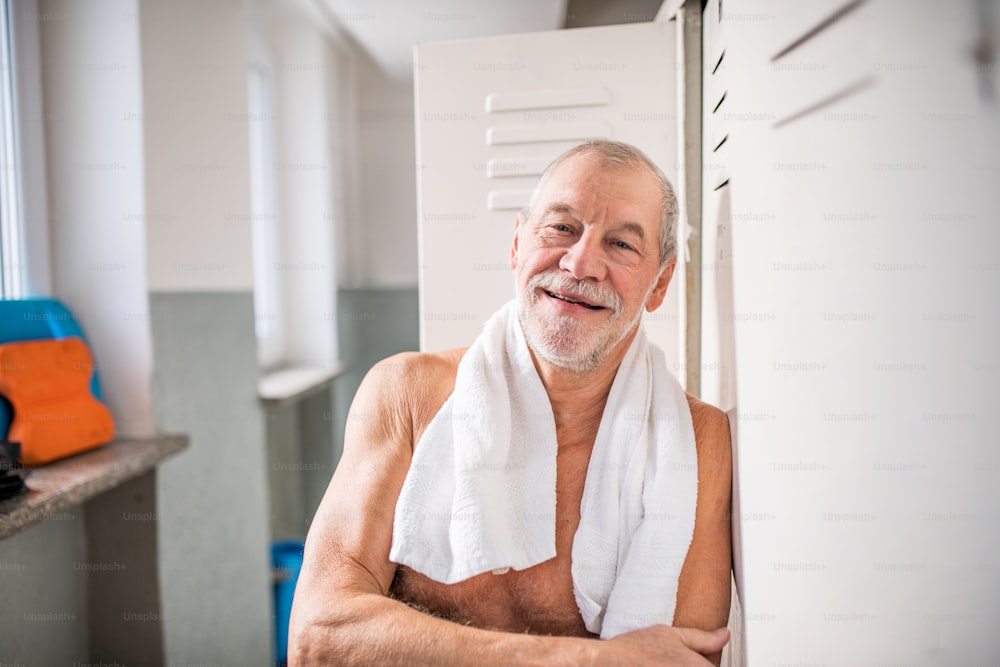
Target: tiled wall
[213,498]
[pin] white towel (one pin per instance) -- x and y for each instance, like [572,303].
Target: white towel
[480,494]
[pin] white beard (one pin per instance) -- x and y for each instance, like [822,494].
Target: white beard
[564,341]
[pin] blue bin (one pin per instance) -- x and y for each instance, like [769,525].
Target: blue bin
[286,559]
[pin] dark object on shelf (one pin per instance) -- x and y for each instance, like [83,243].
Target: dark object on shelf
[11,473]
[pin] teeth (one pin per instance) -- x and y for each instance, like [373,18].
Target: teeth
[562,298]
[568,300]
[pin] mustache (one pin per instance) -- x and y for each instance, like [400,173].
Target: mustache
[589,291]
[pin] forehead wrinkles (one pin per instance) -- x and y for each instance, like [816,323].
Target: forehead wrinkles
[596,191]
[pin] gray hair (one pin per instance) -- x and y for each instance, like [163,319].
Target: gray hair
[619,155]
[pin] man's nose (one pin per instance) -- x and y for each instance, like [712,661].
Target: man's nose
[585,259]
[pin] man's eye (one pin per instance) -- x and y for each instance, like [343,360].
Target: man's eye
[561,228]
[622,245]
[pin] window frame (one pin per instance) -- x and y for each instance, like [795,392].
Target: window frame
[25,255]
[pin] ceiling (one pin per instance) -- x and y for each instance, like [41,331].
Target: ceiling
[388,29]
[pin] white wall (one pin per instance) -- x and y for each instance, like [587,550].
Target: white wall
[349,234]
[386,227]
[197,187]
[94,120]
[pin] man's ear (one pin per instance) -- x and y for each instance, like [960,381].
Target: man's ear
[660,288]
[513,247]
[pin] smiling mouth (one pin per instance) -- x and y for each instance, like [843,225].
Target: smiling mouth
[573,301]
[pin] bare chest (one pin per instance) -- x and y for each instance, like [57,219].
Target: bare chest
[538,600]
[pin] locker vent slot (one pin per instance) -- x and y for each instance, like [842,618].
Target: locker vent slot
[827,101]
[506,200]
[548,99]
[818,28]
[527,166]
[527,134]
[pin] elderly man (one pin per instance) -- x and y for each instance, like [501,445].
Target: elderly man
[511,502]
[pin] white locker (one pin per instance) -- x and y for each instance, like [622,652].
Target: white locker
[491,113]
[861,234]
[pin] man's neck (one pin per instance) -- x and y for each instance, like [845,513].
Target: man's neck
[578,398]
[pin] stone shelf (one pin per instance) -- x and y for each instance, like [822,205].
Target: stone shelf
[61,485]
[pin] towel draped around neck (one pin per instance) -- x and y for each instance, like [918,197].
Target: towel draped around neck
[480,495]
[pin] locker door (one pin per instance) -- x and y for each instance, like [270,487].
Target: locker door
[862,157]
[491,114]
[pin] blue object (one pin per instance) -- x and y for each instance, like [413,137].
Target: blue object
[36,318]
[286,558]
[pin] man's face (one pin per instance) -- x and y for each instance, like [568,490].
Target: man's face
[587,262]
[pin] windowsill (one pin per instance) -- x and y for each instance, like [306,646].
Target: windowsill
[294,383]
[55,487]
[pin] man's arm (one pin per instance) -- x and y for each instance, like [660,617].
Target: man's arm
[704,588]
[342,615]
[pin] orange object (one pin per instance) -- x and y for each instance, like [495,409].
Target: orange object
[55,415]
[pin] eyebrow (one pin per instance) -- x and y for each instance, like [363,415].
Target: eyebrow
[559,207]
[636,229]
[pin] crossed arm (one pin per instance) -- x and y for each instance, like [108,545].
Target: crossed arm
[342,613]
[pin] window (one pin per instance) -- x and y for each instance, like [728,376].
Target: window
[292,86]
[12,279]
[264,219]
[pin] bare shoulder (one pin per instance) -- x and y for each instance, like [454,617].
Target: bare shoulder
[408,389]
[712,436]
[415,365]
[418,371]
[706,416]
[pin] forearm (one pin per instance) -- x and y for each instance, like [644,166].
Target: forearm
[371,629]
